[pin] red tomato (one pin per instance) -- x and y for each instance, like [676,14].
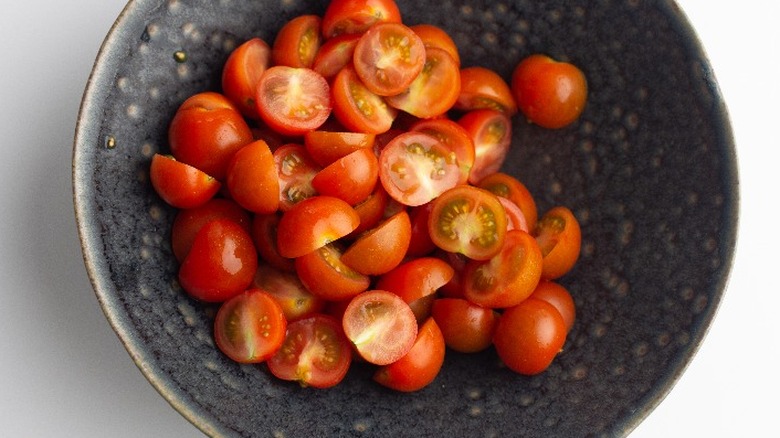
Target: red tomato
[416,282]
[491,132]
[507,186]
[381,248]
[371,210]
[515,217]
[549,93]
[388,57]
[357,108]
[263,231]
[434,90]
[297,42]
[509,277]
[434,36]
[326,275]
[250,327]
[252,178]
[325,147]
[469,221]
[415,168]
[335,54]
[420,366]
[455,137]
[313,223]
[241,74]
[421,243]
[559,236]
[188,222]
[560,298]
[380,325]
[292,100]
[465,326]
[529,336]
[356,16]
[221,263]
[314,353]
[206,131]
[454,287]
[351,178]
[296,170]
[181,185]
[289,292]
[483,88]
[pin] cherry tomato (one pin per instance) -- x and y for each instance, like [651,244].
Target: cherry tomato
[529,336]
[250,327]
[380,325]
[388,57]
[325,147]
[371,210]
[292,100]
[326,275]
[455,137]
[465,326]
[296,170]
[434,90]
[415,168]
[469,221]
[252,178]
[357,108]
[206,131]
[420,366]
[416,282]
[351,178]
[381,248]
[560,298]
[264,234]
[434,36]
[484,88]
[515,217]
[313,223]
[559,236]
[421,243]
[241,74]
[550,94]
[335,54]
[507,186]
[509,277]
[289,292]
[454,287]
[491,132]
[356,16]
[314,353]
[189,221]
[297,42]
[181,185]
[221,263]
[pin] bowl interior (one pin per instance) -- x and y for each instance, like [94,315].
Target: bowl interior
[649,170]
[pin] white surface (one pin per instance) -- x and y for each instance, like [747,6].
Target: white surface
[63,371]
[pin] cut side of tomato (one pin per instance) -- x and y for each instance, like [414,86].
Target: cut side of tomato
[296,170]
[325,274]
[455,137]
[388,57]
[507,186]
[560,238]
[297,42]
[358,108]
[434,90]
[250,327]
[491,132]
[289,292]
[292,100]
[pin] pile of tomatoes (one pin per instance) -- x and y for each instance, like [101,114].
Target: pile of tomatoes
[340,199]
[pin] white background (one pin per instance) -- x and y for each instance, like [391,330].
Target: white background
[64,373]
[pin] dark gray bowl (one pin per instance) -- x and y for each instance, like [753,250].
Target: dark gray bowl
[649,170]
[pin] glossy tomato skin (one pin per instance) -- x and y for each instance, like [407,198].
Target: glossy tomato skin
[491,132]
[351,178]
[221,263]
[529,336]
[313,223]
[264,234]
[371,211]
[288,291]
[181,185]
[325,147]
[324,273]
[484,88]
[421,243]
[297,42]
[507,186]
[314,353]
[381,248]
[557,295]
[189,221]
[560,238]
[466,327]
[358,108]
[206,131]
[252,179]
[550,94]
[335,54]
[293,101]
[434,90]
[356,16]
[420,366]
[250,327]
[416,282]
[434,36]
[241,74]
[388,57]
[296,169]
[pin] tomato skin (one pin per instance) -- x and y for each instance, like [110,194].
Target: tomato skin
[293,101]
[288,291]
[416,282]
[484,88]
[324,273]
[181,185]
[515,217]
[296,169]
[434,90]
[335,54]
[455,137]
[325,147]
[356,16]
[560,238]
[549,93]
[297,42]
[252,178]
[507,186]
[420,366]
[314,353]
[263,231]
[250,327]
[206,131]
[381,248]
[388,57]
[465,326]
[358,108]
[421,243]
[313,223]
[221,263]
[241,74]
[189,221]
[434,36]
[529,336]
[491,132]
[371,210]
[557,295]
[351,178]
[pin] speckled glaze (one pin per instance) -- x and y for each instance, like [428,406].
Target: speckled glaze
[649,170]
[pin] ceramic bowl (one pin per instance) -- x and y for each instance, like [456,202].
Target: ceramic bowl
[649,170]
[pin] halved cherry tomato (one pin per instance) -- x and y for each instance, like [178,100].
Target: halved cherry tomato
[250,327]
[454,287]
[188,222]
[325,147]
[420,366]
[509,277]
[296,169]
[297,42]
[455,137]
[314,353]
[252,178]
[381,248]
[388,57]
[491,132]
[529,336]
[326,275]
[206,131]
[415,168]
[549,93]
[466,327]
[264,234]
[371,210]
[221,263]
[434,36]
[559,236]
[357,108]
[416,282]
[515,217]
[469,221]
[560,298]
[241,74]
[293,101]
[351,178]
[181,185]
[484,88]
[335,54]
[313,223]
[380,325]
[507,186]
[356,16]
[289,292]
[421,243]
[434,90]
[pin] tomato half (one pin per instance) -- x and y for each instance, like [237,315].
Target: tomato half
[557,295]
[416,282]
[434,36]
[419,367]
[296,301]
[293,101]
[481,87]
[560,238]
[357,107]
[381,248]
[455,137]
[507,186]
[241,74]
[356,16]
[421,243]
[371,210]
[491,132]
[252,179]
[296,170]
[466,327]
[351,178]
[326,275]
[435,89]
[515,217]
[297,42]
[325,147]
[313,223]
[335,54]
[264,235]
[250,327]
[189,221]
[181,185]
[388,57]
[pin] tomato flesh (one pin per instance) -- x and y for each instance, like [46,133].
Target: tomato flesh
[250,327]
